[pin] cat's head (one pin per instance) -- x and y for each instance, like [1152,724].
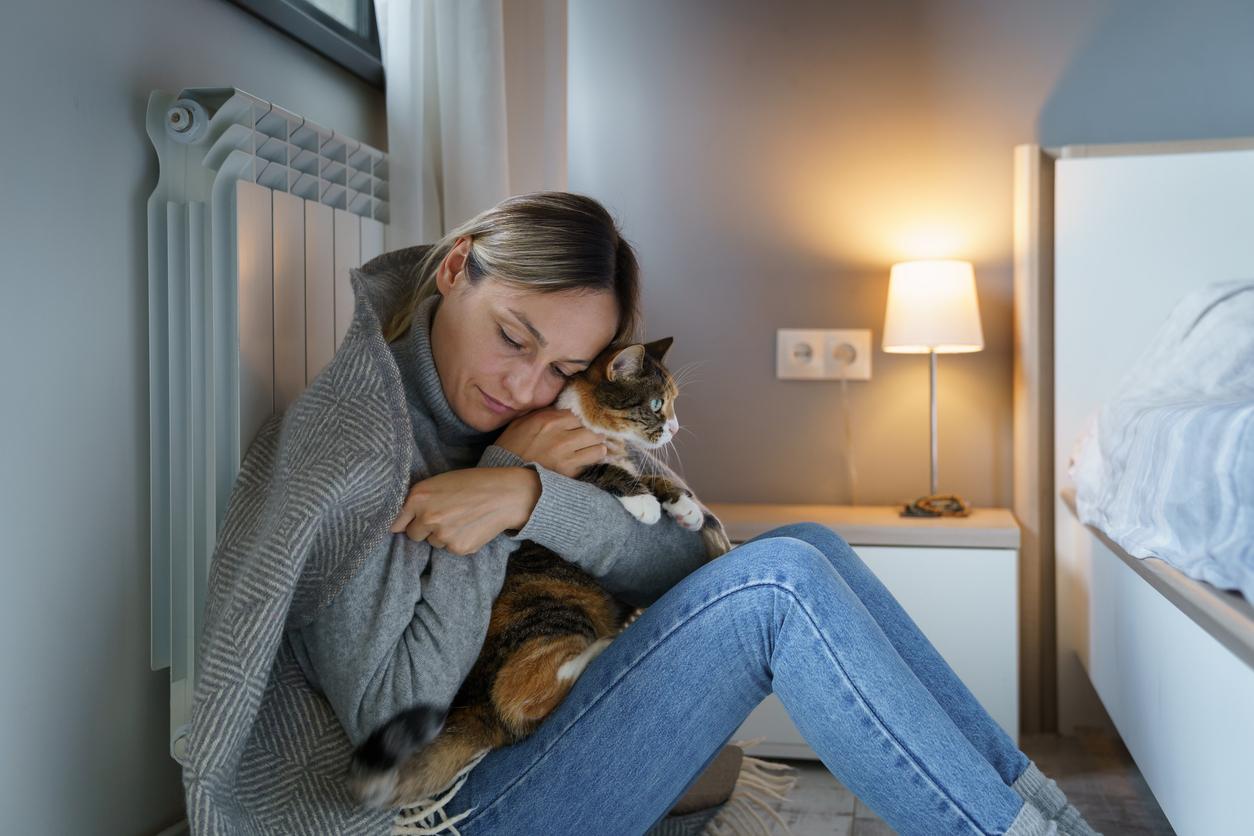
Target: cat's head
[626,393]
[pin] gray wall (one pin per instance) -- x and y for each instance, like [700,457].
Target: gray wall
[772,160]
[84,728]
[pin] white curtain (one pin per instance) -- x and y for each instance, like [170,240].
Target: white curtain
[448,145]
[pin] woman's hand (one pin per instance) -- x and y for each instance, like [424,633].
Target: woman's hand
[461,510]
[553,438]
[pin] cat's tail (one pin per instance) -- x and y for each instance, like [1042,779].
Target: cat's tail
[372,771]
[714,536]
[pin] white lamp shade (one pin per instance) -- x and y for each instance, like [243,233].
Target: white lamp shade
[932,306]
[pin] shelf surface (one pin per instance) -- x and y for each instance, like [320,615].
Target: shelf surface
[875,525]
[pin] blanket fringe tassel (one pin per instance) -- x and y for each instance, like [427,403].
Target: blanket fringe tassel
[760,787]
[419,819]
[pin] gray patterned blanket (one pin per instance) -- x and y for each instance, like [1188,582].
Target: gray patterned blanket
[316,491]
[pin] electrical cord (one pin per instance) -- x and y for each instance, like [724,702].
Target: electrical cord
[848,354]
[939,505]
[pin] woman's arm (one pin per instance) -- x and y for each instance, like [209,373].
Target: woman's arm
[592,529]
[404,630]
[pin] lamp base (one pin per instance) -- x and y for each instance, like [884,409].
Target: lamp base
[937,505]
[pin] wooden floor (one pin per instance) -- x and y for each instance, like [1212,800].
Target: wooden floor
[1093,769]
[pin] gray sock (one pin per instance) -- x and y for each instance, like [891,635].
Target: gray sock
[1044,793]
[1071,823]
[1040,790]
[1032,822]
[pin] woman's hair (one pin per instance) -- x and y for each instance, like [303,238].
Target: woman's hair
[542,241]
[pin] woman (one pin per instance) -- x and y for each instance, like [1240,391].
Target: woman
[501,311]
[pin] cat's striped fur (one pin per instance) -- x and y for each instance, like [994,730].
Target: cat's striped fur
[551,618]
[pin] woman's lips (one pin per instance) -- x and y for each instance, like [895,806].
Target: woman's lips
[493,404]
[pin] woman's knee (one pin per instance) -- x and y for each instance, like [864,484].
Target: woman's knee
[787,560]
[818,535]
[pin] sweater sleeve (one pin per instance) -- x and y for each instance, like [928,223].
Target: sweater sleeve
[405,630]
[590,528]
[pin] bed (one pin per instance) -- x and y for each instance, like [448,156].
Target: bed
[1109,241]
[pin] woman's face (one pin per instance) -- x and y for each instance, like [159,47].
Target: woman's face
[487,380]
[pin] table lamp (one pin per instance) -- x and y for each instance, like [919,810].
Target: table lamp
[932,309]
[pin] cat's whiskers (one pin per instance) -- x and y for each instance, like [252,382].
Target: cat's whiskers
[667,449]
[648,464]
[682,428]
[690,365]
[681,375]
[678,459]
[686,369]
[656,465]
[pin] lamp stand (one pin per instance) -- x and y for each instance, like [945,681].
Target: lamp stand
[935,505]
[931,356]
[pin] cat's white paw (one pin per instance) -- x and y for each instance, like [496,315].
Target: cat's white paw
[643,507]
[686,512]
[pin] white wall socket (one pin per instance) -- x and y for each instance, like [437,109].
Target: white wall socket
[835,364]
[798,354]
[821,354]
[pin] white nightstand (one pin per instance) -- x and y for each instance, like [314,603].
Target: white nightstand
[957,577]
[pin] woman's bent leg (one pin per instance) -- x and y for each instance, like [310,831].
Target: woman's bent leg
[668,693]
[921,655]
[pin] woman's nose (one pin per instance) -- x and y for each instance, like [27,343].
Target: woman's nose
[521,385]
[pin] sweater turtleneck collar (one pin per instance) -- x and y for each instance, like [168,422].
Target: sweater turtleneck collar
[423,388]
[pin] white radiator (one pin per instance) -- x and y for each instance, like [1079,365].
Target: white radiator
[257,216]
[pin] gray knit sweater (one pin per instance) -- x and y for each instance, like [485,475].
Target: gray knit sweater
[407,628]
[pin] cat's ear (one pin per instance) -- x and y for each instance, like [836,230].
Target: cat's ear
[626,362]
[658,348]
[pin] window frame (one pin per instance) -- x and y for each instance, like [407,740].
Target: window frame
[327,36]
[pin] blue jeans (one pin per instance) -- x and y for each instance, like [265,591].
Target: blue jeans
[794,611]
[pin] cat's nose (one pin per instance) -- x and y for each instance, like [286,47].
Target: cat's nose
[672,425]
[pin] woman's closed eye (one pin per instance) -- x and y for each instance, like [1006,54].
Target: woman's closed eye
[516,345]
[505,337]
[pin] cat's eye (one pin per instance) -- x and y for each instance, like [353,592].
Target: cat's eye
[656,404]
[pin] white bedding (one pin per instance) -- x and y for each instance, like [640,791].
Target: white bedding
[1166,465]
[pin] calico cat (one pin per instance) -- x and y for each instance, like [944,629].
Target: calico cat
[551,617]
